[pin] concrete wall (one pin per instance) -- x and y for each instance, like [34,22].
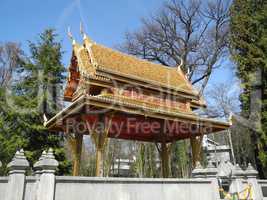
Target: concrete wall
[83,188]
[44,185]
[3,186]
[31,187]
[263,186]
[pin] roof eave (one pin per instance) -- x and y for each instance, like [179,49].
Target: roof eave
[101,102]
[145,83]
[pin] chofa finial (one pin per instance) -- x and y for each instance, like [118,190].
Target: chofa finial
[181,64]
[230,118]
[85,37]
[44,118]
[82,30]
[71,36]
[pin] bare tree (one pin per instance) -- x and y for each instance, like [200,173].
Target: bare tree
[10,54]
[223,100]
[192,30]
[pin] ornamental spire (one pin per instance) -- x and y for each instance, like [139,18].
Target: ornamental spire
[71,36]
[86,39]
[230,118]
[76,46]
[88,44]
[181,64]
[82,31]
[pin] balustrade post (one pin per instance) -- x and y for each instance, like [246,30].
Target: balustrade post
[16,183]
[47,166]
[251,175]
[238,176]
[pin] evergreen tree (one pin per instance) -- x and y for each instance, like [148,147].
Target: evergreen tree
[35,93]
[10,56]
[180,160]
[10,137]
[249,50]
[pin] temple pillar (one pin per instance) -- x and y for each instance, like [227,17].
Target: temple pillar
[76,143]
[100,139]
[99,163]
[165,170]
[164,151]
[196,144]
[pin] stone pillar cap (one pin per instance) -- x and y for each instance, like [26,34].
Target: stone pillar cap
[211,170]
[37,165]
[198,171]
[250,171]
[237,171]
[19,162]
[47,161]
[225,169]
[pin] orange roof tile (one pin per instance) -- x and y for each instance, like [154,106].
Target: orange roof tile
[98,56]
[110,59]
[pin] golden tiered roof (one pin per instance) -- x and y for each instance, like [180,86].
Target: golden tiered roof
[118,62]
[98,61]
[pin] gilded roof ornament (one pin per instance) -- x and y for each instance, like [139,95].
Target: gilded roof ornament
[88,44]
[230,119]
[181,64]
[44,118]
[187,73]
[82,31]
[71,36]
[76,47]
[86,39]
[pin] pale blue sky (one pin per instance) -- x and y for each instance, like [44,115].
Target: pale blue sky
[105,21]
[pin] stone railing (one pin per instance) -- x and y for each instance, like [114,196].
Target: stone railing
[239,181]
[263,185]
[44,185]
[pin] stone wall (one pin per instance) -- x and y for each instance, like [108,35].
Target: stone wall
[263,186]
[44,185]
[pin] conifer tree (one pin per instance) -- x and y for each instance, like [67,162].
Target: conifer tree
[249,50]
[10,57]
[36,92]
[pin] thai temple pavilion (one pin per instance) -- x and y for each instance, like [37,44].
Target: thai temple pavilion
[114,95]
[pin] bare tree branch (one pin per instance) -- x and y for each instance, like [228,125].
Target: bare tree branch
[10,54]
[196,31]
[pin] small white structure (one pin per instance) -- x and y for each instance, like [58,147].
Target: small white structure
[122,167]
[216,152]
